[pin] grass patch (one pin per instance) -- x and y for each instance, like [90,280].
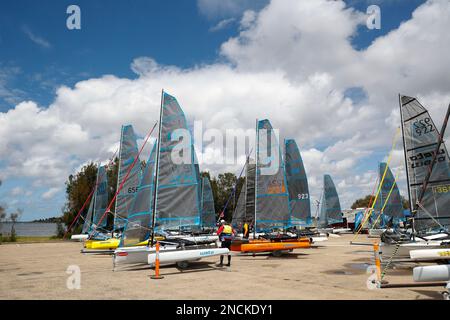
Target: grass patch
[22,239]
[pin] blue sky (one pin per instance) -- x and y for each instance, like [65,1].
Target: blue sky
[173,32]
[38,54]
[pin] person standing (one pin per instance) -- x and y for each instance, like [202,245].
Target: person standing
[245,230]
[226,234]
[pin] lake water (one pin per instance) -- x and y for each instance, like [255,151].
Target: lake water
[31,229]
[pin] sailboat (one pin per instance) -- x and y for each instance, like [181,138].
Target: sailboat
[330,217]
[272,212]
[97,206]
[175,202]
[128,152]
[429,194]
[388,209]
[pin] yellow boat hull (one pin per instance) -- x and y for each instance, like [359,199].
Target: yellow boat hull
[111,244]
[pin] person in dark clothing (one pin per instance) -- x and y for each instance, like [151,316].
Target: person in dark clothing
[226,234]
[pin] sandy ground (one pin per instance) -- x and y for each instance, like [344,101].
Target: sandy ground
[333,270]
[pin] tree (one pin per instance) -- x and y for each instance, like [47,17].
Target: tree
[363,202]
[223,186]
[14,217]
[2,217]
[405,202]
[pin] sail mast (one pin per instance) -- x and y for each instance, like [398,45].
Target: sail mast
[406,165]
[256,177]
[155,192]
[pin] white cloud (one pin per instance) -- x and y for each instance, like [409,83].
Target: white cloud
[50,193]
[294,73]
[40,41]
[16,191]
[222,24]
[213,9]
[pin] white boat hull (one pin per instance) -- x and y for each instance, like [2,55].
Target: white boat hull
[196,239]
[171,257]
[430,254]
[319,239]
[432,273]
[342,230]
[79,237]
[403,252]
[136,255]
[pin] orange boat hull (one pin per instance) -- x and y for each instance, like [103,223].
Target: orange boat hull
[262,245]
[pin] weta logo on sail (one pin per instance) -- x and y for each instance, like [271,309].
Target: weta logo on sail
[275,187]
[424,158]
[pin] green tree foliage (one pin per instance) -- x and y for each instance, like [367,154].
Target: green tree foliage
[405,202]
[222,187]
[363,202]
[78,188]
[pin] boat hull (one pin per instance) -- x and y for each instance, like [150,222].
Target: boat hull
[269,246]
[170,257]
[136,255]
[403,251]
[432,273]
[111,244]
[79,237]
[430,254]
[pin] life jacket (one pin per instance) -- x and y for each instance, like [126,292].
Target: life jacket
[227,229]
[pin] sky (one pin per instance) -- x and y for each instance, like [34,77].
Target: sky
[313,68]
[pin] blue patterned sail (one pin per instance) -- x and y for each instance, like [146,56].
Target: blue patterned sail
[100,200]
[330,212]
[139,223]
[208,219]
[127,154]
[88,219]
[393,207]
[177,194]
[297,183]
[272,198]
